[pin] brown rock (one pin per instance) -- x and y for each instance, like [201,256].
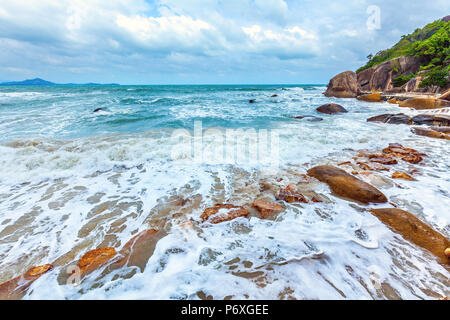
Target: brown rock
[371,97]
[138,250]
[445,95]
[372,166]
[402,175]
[414,230]
[16,288]
[406,154]
[331,108]
[432,120]
[424,103]
[399,118]
[223,212]
[344,85]
[412,85]
[393,101]
[274,96]
[447,252]
[266,208]
[385,159]
[289,195]
[95,259]
[427,132]
[346,185]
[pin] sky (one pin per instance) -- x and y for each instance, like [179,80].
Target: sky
[200,41]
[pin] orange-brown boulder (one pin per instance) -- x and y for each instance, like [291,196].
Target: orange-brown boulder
[223,212]
[428,132]
[371,97]
[95,259]
[347,186]
[447,252]
[343,85]
[414,230]
[16,288]
[402,175]
[266,208]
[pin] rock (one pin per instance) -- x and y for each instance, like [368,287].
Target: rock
[99,109]
[393,101]
[424,103]
[380,77]
[412,85]
[266,208]
[16,288]
[309,118]
[274,96]
[427,132]
[414,230]
[95,259]
[382,159]
[347,186]
[251,101]
[344,85]
[331,108]
[445,95]
[406,154]
[402,175]
[447,252]
[372,166]
[138,250]
[223,212]
[371,97]
[432,119]
[290,195]
[399,118]
[441,129]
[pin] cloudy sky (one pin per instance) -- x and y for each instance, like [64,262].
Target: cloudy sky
[200,41]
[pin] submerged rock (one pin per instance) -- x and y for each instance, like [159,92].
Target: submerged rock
[371,97]
[402,175]
[414,230]
[344,85]
[289,195]
[406,154]
[94,259]
[424,103]
[16,288]
[99,109]
[331,108]
[274,96]
[309,118]
[251,101]
[223,212]
[266,208]
[347,186]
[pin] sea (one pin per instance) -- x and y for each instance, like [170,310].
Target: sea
[73,180]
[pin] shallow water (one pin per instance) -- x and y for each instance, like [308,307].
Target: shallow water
[72,180]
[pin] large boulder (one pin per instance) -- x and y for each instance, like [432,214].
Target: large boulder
[344,85]
[424,103]
[414,230]
[412,85]
[428,132]
[331,108]
[399,118]
[347,186]
[380,77]
[432,119]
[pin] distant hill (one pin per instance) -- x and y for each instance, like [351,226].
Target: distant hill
[42,82]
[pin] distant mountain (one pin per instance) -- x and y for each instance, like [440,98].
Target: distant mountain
[41,82]
[31,82]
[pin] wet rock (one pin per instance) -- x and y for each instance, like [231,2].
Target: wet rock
[447,252]
[223,212]
[372,166]
[406,154]
[432,119]
[274,96]
[428,132]
[393,101]
[371,97]
[399,118]
[290,195]
[94,259]
[402,175]
[16,288]
[310,118]
[424,103]
[385,159]
[266,208]
[347,186]
[138,250]
[99,109]
[331,108]
[441,129]
[414,230]
[251,101]
[343,85]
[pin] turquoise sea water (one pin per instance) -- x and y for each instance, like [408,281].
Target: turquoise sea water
[72,180]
